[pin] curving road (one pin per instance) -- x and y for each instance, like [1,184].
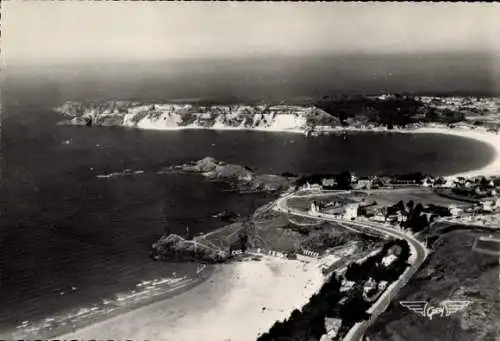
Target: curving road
[419,253]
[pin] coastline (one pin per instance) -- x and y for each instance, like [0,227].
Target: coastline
[478,134]
[62,327]
[236,295]
[222,283]
[491,139]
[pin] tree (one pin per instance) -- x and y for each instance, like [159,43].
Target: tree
[344,180]
[354,310]
[410,205]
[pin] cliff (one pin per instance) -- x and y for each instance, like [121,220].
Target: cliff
[189,116]
[327,113]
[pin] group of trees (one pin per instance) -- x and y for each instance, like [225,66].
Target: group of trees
[416,215]
[394,111]
[373,267]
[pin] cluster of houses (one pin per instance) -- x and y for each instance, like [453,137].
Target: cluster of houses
[478,186]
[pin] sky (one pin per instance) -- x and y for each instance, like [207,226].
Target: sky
[87,31]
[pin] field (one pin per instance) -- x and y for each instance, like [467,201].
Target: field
[453,271]
[424,196]
[223,237]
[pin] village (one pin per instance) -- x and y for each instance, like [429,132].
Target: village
[361,262]
[471,201]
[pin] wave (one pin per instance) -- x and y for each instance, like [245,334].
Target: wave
[126,172]
[144,292]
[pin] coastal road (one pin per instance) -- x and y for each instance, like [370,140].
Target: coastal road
[419,253]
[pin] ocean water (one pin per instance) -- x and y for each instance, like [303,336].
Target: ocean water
[69,238]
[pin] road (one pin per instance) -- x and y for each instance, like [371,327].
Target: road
[419,253]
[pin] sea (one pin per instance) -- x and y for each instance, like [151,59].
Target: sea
[71,239]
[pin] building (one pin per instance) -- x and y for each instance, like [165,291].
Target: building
[313,187]
[490,205]
[314,209]
[363,184]
[389,259]
[455,210]
[351,211]
[428,182]
[346,285]
[316,188]
[370,285]
[378,218]
[329,182]
[382,285]
[332,326]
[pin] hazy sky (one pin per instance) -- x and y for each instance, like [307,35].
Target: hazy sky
[108,31]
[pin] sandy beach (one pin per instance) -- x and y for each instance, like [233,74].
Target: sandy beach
[240,300]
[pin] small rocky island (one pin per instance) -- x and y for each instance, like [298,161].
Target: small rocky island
[242,179]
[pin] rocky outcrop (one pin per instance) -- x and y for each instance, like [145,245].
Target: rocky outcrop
[242,178]
[175,248]
[214,169]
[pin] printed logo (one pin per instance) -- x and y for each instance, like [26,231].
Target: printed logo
[443,309]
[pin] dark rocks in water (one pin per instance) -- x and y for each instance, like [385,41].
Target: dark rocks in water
[77,121]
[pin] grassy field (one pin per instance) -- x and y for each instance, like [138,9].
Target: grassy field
[418,195]
[453,271]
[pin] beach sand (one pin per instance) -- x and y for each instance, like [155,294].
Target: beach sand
[239,301]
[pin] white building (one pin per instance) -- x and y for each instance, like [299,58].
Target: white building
[428,182]
[378,218]
[313,187]
[490,205]
[329,182]
[455,210]
[316,188]
[382,285]
[346,285]
[332,326]
[314,209]
[369,285]
[351,211]
[363,184]
[389,259]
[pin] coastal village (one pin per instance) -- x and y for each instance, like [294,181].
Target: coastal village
[301,226]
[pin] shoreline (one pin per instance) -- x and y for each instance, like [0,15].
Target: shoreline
[492,140]
[477,134]
[64,330]
[237,295]
[123,313]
